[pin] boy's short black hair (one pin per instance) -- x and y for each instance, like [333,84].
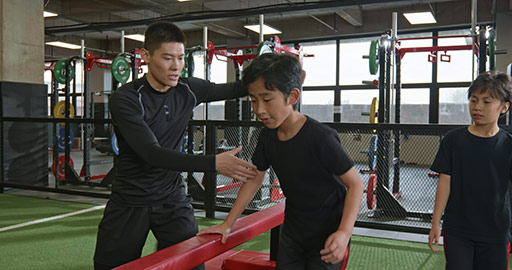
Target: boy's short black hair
[279,72]
[161,32]
[497,84]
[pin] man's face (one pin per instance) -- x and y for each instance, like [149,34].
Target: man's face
[165,65]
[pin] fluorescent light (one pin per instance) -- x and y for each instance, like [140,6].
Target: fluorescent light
[64,45]
[47,14]
[137,37]
[267,30]
[183,0]
[420,17]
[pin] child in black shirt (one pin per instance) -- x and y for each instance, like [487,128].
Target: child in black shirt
[323,190]
[474,163]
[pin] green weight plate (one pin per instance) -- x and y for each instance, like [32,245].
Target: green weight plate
[374,62]
[184,71]
[59,71]
[190,64]
[121,69]
[492,50]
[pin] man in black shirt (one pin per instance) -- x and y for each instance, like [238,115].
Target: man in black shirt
[150,116]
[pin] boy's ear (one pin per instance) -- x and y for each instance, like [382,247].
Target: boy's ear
[294,96]
[506,106]
[303,76]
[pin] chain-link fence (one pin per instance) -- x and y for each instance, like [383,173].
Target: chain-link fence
[392,160]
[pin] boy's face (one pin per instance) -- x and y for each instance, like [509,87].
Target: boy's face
[271,107]
[485,109]
[165,65]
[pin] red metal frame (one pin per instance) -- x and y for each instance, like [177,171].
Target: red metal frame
[101,62]
[235,56]
[402,51]
[297,50]
[431,58]
[241,58]
[435,37]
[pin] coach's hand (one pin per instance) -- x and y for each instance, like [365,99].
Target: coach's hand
[229,165]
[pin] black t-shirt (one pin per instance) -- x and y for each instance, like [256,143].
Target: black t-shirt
[149,126]
[478,207]
[308,166]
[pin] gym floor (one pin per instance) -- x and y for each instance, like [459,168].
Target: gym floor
[42,230]
[45,233]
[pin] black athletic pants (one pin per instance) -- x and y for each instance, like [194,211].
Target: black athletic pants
[462,253]
[123,231]
[292,256]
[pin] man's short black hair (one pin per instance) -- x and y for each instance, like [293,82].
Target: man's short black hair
[162,32]
[279,72]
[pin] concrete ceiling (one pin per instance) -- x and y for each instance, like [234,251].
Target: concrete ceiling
[100,22]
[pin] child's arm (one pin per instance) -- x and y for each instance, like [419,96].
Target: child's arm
[245,195]
[336,243]
[442,194]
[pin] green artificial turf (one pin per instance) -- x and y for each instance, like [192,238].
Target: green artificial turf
[68,243]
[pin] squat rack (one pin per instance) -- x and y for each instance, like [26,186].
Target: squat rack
[382,52]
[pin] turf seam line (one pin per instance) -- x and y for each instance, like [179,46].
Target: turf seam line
[12,227]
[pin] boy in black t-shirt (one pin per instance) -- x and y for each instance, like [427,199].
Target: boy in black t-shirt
[323,190]
[474,163]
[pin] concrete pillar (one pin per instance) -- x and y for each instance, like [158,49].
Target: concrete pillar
[503,40]
[22,41]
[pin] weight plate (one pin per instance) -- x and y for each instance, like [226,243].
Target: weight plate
[113,143]
[373,111]
[61,138]
[374,62]
[370,192]
[121,69]
[59,110]
[492,50]
[59,71]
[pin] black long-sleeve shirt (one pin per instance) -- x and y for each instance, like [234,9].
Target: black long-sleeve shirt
[149,127]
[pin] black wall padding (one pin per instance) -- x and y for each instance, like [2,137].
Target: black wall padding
[25,145]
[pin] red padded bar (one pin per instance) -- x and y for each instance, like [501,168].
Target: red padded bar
[196,250]
[216,262]
[249,260]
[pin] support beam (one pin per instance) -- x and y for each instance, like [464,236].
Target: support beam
[22,44]
[231,28]
[354,16]
[322,22]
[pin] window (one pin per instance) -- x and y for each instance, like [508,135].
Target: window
[321,68]
[459,68]
[414,106]
[415,67]
[218,74]
[354,69]
[356,103]
[454,106]
[318,105]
